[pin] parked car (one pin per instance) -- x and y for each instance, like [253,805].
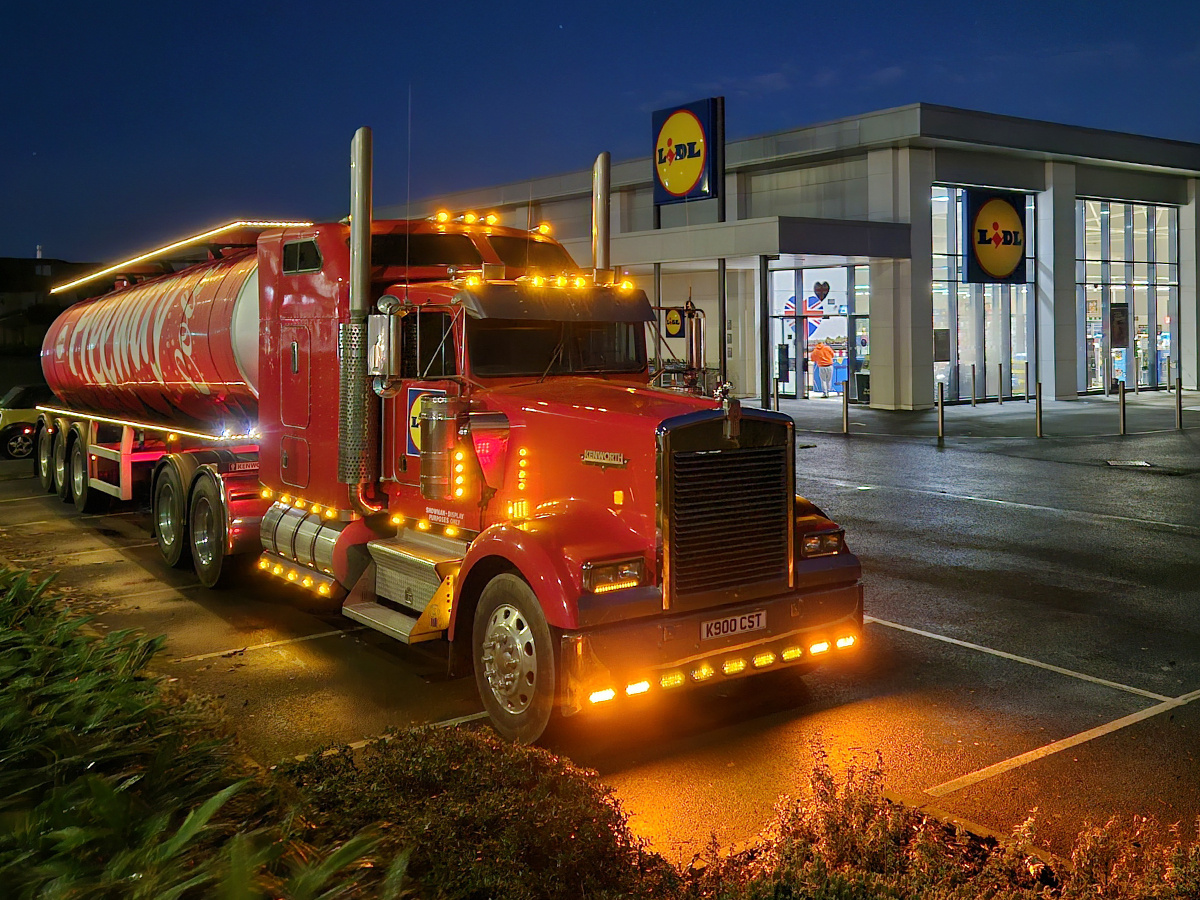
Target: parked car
[18,414]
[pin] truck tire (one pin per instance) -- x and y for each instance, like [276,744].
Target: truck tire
[62,478]
[87,498]
[45,460]
[514,654]
[16,442]
[170,517]
[206,532]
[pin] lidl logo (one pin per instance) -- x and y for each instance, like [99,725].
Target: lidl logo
[680,153]
[683,152]
[996,234]
[415,397]
[674,322]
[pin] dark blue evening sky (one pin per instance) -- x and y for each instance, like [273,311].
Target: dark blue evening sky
[128,124]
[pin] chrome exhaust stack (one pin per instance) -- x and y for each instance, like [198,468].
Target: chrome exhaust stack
[601,188]
[357,422]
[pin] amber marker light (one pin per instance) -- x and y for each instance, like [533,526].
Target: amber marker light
[300,504]
[733,666]
[541,228]
[538,281]
[702,672]
[639,687]
[602,696]
[820,647]
[470,218]
[561,281]
[423,525]
[264,564]
[580,281]
[474,281]
[285,499]
[278,570]
[397,520]
[791,654]
[844,642]
[331,513]
[172,436]
[671,680]
[762,660]
[491,219]
[316,508]
[442,217]
[450,531]
[323,590]
[626,285]
[266,493]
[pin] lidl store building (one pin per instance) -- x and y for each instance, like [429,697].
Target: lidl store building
[851,233]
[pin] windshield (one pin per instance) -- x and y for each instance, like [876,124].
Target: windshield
[527,253]
[424,249]
[26,396]
[518,347]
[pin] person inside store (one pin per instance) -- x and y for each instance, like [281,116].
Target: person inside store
[822,357]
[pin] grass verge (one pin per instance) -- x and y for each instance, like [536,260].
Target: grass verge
[114,785]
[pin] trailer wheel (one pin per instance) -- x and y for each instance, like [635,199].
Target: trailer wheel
[87,498]
[62,481]
[206,531]
[515,668]
[16,441]
[45,460]
[170,517]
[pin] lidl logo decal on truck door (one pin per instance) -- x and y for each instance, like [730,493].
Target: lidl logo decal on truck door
[415,395]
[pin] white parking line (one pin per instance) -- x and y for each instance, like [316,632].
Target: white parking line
[280,643]
[1014,762]
[70,519]
[991,501]
[31,497]
[1103,682]
[79,553]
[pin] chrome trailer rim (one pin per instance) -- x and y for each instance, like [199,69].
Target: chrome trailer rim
[204,527]
[168,529]
[510,659]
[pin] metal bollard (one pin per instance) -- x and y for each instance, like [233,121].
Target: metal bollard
[845,407]
[941,411]
[1037,409]
[1179,404]
[1121,405]
[775,391]
[1000,384]
[973,384]
[1026,381]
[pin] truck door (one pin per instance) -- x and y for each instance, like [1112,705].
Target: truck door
[295,407]
[429,362]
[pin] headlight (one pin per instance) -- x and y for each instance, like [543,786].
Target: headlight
[600,578]
[828,543]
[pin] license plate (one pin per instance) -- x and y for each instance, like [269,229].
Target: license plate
[740,624]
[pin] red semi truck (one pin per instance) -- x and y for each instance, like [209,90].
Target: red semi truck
[449,428]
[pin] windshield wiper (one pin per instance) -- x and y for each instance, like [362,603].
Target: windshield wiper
[554,357]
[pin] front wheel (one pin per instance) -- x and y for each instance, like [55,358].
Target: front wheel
[206,531]
[515,665]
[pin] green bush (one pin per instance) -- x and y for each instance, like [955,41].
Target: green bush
[483,817]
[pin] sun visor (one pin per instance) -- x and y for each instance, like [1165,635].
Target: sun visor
[493,300]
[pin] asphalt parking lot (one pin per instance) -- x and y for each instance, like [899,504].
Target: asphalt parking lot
[1032,639]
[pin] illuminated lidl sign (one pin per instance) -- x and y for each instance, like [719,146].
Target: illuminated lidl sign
[684,151]
[994,237]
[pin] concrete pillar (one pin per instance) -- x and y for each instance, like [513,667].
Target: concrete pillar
[1057,308]
[899,184]
[1189,288]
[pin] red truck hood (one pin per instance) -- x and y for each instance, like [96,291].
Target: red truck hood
[612,409]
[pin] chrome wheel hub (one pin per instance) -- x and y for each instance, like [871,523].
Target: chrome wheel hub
[203,532]
[165,519]
[510,659]
[78,475]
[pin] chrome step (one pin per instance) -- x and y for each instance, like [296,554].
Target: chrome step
[390,621]
[410,567]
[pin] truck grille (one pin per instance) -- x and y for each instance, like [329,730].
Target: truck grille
[729,522]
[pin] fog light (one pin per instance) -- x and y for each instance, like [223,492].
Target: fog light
[844,642]
[639,688]
[672,680]
[602,696]
[762,660]
[733,666]
[703,672]
[819,648]
[791,654]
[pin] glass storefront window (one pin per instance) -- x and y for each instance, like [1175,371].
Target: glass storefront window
[981,333]
[1127,275]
